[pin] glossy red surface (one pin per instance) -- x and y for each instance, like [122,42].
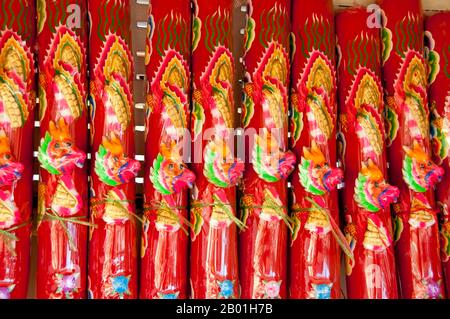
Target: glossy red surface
[417,248]
[437,34]
[164,242]
[113,244]
[372,275]
[15,254]
[314,255]
[62,244]
[263,243]
[214,255]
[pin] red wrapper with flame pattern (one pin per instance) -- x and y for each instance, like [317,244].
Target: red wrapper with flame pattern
[367,196]
[17,101]
[437,37]
[62,209]
[263,242]
[167,178]
[314,253]
[409,151]
[112,246]
[214,254]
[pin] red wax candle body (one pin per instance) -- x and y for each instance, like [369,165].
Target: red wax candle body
[214,255]
[112,246]
[437,37]
[17,102]
[367,195]
[165,231]
[63,186]
[314,253]
[263,242]
[409,150]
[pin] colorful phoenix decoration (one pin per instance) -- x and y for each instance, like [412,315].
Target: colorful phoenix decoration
[214,250]
[62,208]
[437,36]
[166,228]
[263,241]
[113,246]
[315,253]
[407,112]
[371,274]
[17,102]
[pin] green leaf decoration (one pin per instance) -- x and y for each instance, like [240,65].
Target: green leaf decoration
[246,203]
[293,45]
[249,110]
[196,32]
[297,125]
[305,179]
[155,175]
[434,67]
[392,123]
[100,168]
[296,224]
[408,176]
[387,44]
[258,166]
[44,156]
[199,118]
[445,242]
[398,228]
[210,158]
[42,102]
[360,194]
[249,33]
[41,15]
[197,223]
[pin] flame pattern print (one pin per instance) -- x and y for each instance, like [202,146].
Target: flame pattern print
[263,241]
[164,258]
[113,243]
[406,78]
[371,273]
[315,253]
[62,211]
[17,102]
[438,54]
[214,254]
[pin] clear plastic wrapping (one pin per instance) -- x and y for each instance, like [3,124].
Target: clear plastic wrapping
[113,254]
[63,185]
[409,151]
[17,106]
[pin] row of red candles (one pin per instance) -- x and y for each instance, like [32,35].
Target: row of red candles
[380,104]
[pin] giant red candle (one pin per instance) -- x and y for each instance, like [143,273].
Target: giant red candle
[263,241]
[437,37]
[62,212]
[164,259]
[409,151]
[314,251]
[112,246]
[214,255]
[367,196]
[17,102]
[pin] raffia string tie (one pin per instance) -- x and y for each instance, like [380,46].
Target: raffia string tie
[95,203]
[9,235]
[153,208]
[231,216]
[279,209]
[50,214]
